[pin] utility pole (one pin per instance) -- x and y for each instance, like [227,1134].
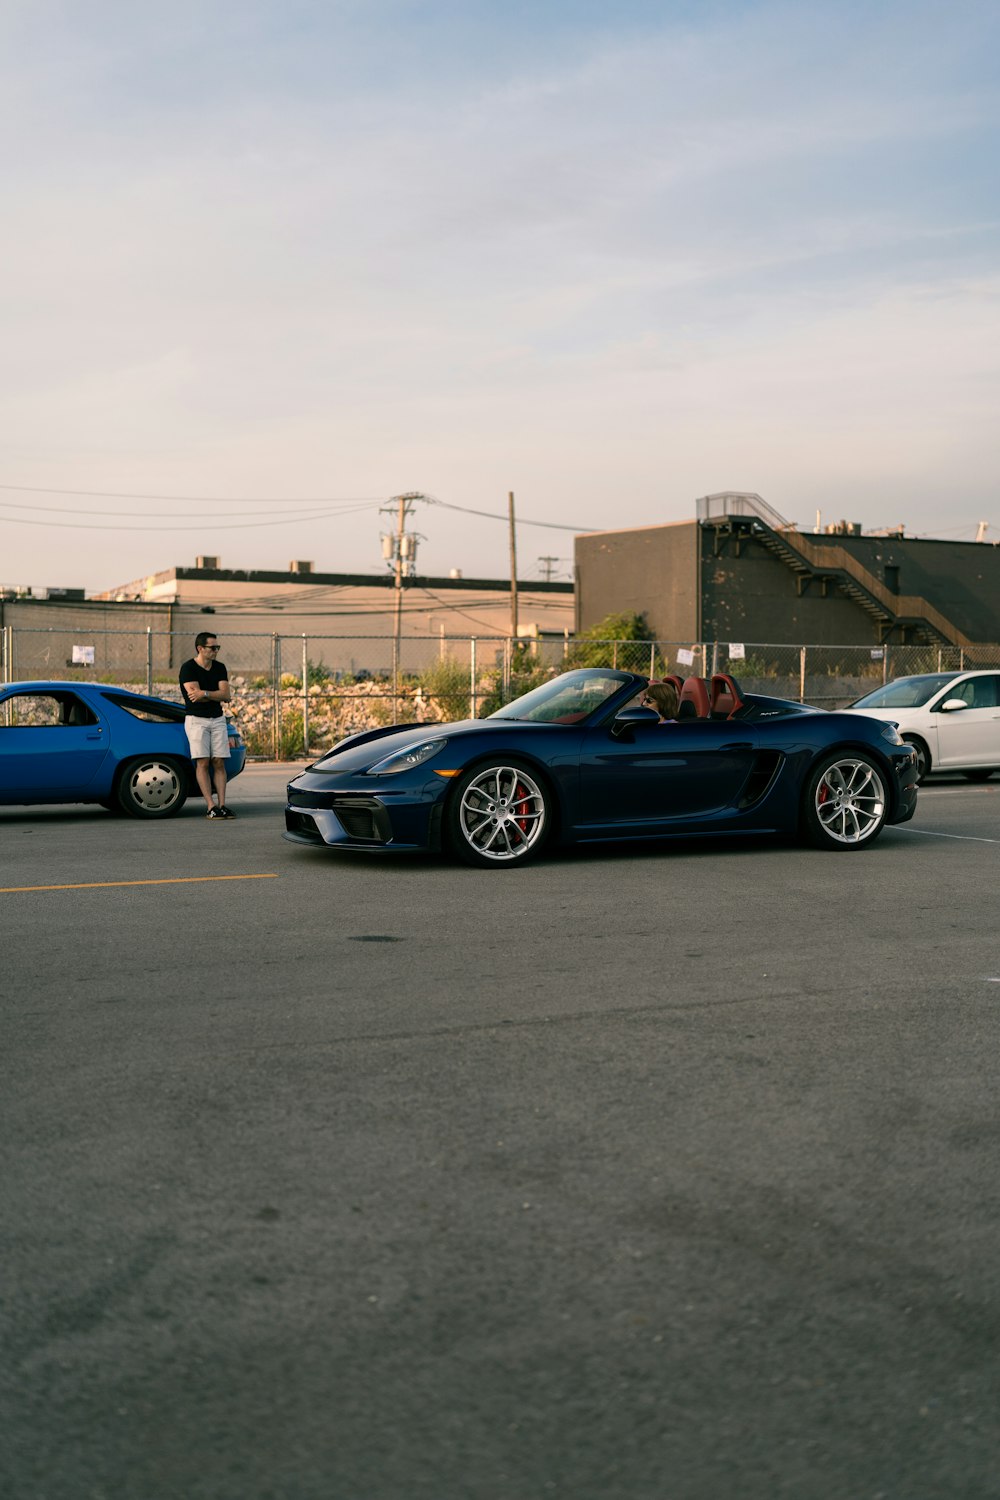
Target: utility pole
[548,564]
[400,564]
[513,566]
[399,548]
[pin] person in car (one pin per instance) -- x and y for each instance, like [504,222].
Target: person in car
[663,697]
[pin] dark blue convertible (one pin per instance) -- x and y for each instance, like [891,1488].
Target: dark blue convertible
[92,742]
[579,760]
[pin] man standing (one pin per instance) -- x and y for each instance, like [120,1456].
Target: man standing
[205,688]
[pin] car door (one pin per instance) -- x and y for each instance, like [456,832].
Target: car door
[969,736]
[52,745]
[661,776]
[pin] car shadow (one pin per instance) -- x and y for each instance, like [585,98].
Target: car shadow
[77,812]
[748,846]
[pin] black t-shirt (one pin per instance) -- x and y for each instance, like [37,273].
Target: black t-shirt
[209,679]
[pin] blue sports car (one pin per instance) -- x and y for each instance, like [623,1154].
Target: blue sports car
[579,760]
[90,742]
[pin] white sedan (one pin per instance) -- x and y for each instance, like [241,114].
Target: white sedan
[952,719]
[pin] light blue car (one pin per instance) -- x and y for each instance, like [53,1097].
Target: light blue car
[93,742]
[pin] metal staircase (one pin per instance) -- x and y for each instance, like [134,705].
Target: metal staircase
[834,566]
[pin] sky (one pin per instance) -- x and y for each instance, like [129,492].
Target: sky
[268,264]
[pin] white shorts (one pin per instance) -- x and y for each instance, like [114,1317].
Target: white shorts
[208,738]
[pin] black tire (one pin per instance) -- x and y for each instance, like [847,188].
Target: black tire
[845,804]
[152,786]
[923,756]
[979,774]
[498,815]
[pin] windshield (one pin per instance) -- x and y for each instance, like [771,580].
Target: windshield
[905,692]
[566,699]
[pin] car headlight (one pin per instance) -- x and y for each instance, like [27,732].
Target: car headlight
[405,760]
[892,734]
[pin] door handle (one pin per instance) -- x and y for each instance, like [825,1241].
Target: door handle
[94,734]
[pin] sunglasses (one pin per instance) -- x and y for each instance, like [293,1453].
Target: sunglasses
[210,648]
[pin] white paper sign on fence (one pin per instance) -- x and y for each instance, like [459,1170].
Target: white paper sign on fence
[877,653]
[736,651]
[685,658]
[83,656]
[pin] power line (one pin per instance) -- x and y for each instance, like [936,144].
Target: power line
[345,506]
[68,510]
[203,526]
[457,609]
[364,500]
[495,516]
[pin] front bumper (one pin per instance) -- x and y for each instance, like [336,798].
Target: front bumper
[392,822]
[904,765]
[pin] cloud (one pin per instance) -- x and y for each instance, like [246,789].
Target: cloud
[337,248]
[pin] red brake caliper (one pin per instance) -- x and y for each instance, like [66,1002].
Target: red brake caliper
[521,792]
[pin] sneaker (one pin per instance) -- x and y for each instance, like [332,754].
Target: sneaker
[226,812]
[213,812]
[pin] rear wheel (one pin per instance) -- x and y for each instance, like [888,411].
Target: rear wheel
[498,815]
[152,787]
[981,773]
[845,804]
[923,756]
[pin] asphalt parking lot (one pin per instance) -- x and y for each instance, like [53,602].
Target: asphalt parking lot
[657,1173]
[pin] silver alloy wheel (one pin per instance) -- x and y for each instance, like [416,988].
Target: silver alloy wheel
[152,789]
[502,813]
[849,801]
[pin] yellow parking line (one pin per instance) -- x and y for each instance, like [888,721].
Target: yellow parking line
[103,885]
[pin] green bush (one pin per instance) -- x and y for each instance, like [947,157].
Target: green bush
[603,636]
[259,739]
[446,684]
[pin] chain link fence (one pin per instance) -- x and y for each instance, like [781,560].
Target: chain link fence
[294,696]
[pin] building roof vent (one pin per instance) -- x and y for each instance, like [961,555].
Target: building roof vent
[300,567]
[207,562]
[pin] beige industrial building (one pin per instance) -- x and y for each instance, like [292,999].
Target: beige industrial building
[302,601]
[272,620]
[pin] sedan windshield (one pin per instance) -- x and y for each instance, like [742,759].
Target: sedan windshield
[566,699]
[905,692]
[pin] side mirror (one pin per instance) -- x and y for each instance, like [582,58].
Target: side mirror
[626,721]
[952,705]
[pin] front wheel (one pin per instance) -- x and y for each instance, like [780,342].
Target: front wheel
[845,802]
[153,787]
[498,815]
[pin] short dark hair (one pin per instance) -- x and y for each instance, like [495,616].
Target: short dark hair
[203,637]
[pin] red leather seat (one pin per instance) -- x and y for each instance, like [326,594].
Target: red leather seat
[678,682]
[695,702]
[726,696]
